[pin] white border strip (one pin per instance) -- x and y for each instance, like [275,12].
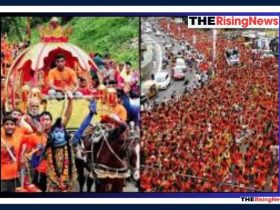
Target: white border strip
[137,9]
[132,9]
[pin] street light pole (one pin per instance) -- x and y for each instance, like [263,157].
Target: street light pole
[214,42]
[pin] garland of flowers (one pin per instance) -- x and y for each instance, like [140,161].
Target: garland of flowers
[60,178]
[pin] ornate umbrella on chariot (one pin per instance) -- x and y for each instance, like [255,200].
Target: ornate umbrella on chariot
[27,76]
[31,67]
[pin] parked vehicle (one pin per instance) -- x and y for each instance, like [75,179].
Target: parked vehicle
[149,89]
[180,63]
[163,80]
[177,73]
[267,54]
[232,57]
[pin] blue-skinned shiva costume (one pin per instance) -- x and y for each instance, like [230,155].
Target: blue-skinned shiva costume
[61,170]
[132,110]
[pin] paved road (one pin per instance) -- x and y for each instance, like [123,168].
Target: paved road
[158,53]
[152,41]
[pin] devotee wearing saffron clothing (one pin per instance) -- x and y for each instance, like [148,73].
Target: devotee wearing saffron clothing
[12,141]
[219,138]
[62,78]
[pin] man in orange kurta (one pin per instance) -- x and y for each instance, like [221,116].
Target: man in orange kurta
[11,148]
[62,78]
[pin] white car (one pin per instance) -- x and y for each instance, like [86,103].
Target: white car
[168,45]
[148,30]
[163,80]
[158,33]
[180,63]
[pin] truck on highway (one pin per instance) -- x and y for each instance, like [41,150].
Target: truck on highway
[232,56]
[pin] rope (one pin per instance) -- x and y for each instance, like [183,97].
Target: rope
[109,146]
[196,177]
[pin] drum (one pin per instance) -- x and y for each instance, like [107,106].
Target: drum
[112,97]
[102,93]
[25,93]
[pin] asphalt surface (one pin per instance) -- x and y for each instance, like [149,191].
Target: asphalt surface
[158,43]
